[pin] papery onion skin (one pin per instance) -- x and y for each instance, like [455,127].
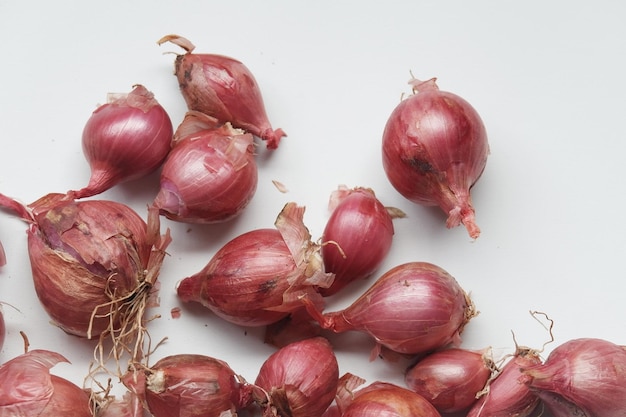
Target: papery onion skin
[300,379]
[83,252]
[434,150]
[413,308]
[588,372]
[357,236]
[256,278]
[125,139]
[224,88]
[381,399]
[3,256]
[189,385]
[28,389]
[508,394]
[3,328]
[209,177]
[451,378]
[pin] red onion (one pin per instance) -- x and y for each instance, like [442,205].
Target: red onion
[187,385]
[94,264]
[125,139]
[413,308]
[450,379]
[558,406]
[357,236]
[299,380]
[258,277]
[209,176]
[381,399]
[434,150]
[223,88]
[588,373]
[507,395]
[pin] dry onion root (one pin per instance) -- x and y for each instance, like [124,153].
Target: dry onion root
[95,265]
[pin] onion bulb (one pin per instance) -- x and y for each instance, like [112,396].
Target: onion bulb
[125,139]
[223,88]
[507,394]
[189,385]
[209,176]
[299,380]
[413,308]
[94,264]
[434,150]
[357,236]
[587,374]
[258,277]
[451,378]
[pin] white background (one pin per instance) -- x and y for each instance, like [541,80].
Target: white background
[546,77]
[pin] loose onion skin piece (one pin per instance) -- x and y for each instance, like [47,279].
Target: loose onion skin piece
[189,385]
[125,139]
[209,176]
[257,278]
[589,373]
[413,308]
[434,150]
[299,380]
[451,378]
[3,329]
[508,394]
[357,236]
[223,88]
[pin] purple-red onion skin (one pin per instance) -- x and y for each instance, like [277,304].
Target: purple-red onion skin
[188,385]
[434,150]
[125,139]
[208,177]
[450,378]
[223,88]
[301,378]
[413,308]
[587,372]
[508,394]
[357,237]
[388,400]
[3,328]
[242,281]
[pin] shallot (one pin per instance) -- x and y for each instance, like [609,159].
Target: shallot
[434,150]
[413,308]
[258,277]
[94,263]
[125,139]
[299,380]
[223,88]
[587,374]
[507,394]
[27,388]
[189,385]
[451,378]
[209,176]
[380,399]
[357,236]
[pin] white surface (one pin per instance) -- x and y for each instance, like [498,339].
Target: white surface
[546,77]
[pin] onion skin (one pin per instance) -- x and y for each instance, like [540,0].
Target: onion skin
[589,373]
[508,394]
[434,150]
[3,329]
[209,177]
[3,257]
[256,278]
[125,139]
[187,385]
[559,406]
[451,378]
[82,252]
[28,389]
[300,379]
[223,88]
[382,399]
[357,236]
[413,308]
